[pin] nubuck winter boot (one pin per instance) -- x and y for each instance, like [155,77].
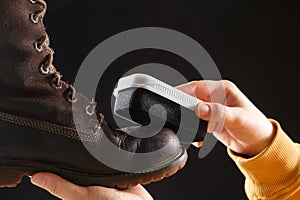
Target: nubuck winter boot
[38,131]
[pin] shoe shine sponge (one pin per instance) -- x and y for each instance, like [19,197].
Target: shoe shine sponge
[147,101]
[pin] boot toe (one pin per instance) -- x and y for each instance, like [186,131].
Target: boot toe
[159,150]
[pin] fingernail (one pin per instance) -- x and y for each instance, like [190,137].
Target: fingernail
[39,181]
[197,144]
[203,109]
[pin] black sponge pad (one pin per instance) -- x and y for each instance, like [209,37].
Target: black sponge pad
[137,102]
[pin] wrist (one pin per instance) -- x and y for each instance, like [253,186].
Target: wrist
[265,141]
[262,143]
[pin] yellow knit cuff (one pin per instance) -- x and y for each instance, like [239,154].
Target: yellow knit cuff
[274,171]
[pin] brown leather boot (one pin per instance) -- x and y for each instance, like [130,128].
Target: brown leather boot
[37,131]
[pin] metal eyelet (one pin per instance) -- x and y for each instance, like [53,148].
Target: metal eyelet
[59,86]
[89,110]
[50,70]
[38,47]
[72,100]
[33,1]
[33,18]
[43,71]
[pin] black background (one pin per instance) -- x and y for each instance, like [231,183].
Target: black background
[254,43]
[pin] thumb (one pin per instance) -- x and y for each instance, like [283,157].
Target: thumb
[57,186]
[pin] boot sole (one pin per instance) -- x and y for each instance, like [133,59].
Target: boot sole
[12,173]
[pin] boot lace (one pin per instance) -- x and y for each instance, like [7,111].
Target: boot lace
[47,68]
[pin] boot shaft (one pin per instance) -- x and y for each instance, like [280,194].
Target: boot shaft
[28,80]
[19,33]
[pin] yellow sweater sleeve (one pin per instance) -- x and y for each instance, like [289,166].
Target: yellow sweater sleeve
[275,172]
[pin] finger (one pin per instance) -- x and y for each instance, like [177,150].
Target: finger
[58,186]
[208,91]
[197,144]
[137,192]
[140,191]
[187,88]
[216,113]
[197,89]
